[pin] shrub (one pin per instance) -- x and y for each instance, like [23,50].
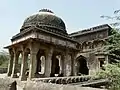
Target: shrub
[4,58]
[111,72]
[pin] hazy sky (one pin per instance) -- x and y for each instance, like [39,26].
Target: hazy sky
[77,14]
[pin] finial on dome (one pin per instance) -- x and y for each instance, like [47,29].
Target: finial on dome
[46,10]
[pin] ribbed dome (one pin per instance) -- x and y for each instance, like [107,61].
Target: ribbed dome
[45,18]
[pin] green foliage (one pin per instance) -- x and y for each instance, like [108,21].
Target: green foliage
[4,58]
[111,72]
[112,47]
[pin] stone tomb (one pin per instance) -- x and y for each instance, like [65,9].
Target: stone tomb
[43,48]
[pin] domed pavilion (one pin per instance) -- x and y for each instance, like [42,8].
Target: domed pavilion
[42,37]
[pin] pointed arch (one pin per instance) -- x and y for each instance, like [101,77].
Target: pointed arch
[82,65]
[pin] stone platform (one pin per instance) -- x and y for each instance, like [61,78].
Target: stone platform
[63,80]
[52,83]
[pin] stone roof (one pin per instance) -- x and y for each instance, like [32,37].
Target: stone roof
[44,30]
[90,30]
[45,18]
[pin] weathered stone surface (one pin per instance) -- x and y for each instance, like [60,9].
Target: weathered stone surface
[7,84]
[98,32]
[47,86]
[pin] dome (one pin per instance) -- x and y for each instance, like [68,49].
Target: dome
[45,18]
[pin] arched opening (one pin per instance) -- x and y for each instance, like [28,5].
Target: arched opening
[84,45]
[82,66]
[27,62]
[40,63]
[90,45]
[55,65]
[96,43]
[19,63]
[42,59]
[38,69]
[101,63]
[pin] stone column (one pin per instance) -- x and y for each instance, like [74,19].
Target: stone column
[33,64]
[74,64]
[48,62]
[65,58]
[53,62]
[10,65]
[14,69]
[34,47]
[23,66]
[63,69]
[106,59]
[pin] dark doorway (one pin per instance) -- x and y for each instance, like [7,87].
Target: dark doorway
[101,60]
[40,61]
[38,69]
[55,67]
[82,66]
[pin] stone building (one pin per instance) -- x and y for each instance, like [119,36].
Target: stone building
[45,49]
[91,42]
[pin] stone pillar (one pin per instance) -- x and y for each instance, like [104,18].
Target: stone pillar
[53,66]
[33,64]
[65,58]
[34,47]
[48,62]
[74,64]
[14,69]
[23,66]
[10,65]
[63,66]
[106,59]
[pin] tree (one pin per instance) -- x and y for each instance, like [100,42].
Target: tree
[112,48]
[112,73]
[4,57]
[115,18]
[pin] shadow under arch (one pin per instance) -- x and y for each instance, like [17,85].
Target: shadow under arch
[55,65]
[40,63]
[82,68]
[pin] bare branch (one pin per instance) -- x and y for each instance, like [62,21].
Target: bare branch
[116,11]
[107,17]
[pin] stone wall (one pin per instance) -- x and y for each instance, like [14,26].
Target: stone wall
[47,86]
[93,63]
[92,36]
[11,84]
[7,84]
